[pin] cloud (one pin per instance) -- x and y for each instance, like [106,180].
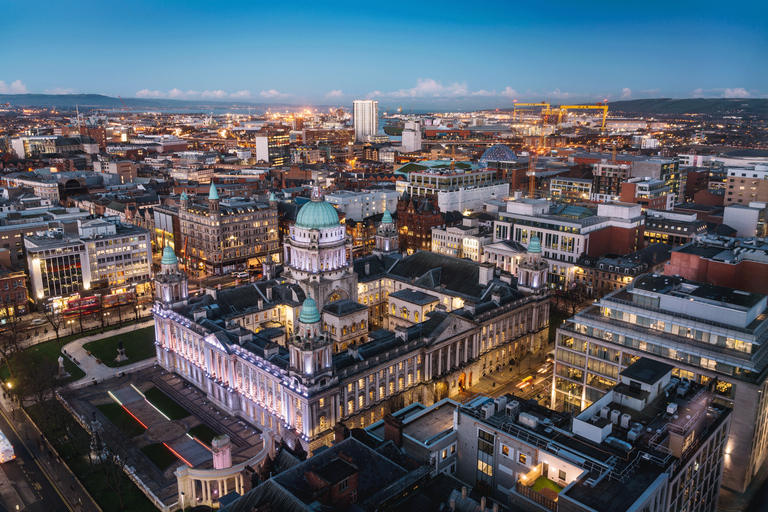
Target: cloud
[336,93]
[274,95]
[16,87]
[509,93]
[60,90]
[428,88]
[626,93]
[652,93]
[240,95]
[214,94]
[146,93]
[178,94]
[729,92]
[738,92]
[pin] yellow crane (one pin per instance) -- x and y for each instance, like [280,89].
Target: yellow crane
[543,104]
[600,106]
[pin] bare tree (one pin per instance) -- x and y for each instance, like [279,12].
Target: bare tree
[54,318]
[11,335]
[37,378]
[115,451]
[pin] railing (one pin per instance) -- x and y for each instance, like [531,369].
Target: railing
[647,332]
[535,496]
[753,332]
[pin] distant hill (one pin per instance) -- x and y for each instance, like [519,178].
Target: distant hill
[101,102]
[710,106]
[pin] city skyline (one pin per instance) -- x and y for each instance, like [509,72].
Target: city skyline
[408,54]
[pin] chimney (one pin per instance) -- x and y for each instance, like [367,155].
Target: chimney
[269,294]
[485,274]
[496,297]
[495,507]
[393,430]
[469,306]
[340,432]
[482,503]
[464,492]
[401,333]
[452,504]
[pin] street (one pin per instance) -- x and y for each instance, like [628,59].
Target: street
[24,483]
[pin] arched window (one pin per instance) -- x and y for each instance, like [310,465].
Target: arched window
[416,316]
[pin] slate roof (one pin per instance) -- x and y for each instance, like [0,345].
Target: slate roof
[343,307]
[414,296]
[432,270]
[289,491]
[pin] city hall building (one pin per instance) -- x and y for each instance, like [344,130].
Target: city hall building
[295,352]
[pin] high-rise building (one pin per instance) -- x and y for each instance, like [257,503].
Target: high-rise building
[412,136]
[709,333]
[366,119]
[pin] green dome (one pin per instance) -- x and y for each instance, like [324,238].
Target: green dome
[317,214]
[309,313]
[184,196]
[272,197]
[387,218]
[213,194]
[535,246]
[169,257]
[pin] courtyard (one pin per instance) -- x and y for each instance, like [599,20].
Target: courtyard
[160,423]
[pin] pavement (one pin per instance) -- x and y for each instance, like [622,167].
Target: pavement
[88,364]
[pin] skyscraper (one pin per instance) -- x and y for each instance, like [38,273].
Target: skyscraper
[366,119]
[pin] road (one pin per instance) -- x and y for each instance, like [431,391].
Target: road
[31,487]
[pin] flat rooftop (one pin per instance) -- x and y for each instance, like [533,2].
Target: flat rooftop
[414,296]
[647,370]
[428,426]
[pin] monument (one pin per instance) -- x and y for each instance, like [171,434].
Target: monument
[63,374]
[120,352]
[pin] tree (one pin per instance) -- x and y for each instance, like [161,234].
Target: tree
[11,334]
[37,377]
[115,451]
[54,318]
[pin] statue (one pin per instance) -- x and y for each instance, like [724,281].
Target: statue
[62,372]
[120,352]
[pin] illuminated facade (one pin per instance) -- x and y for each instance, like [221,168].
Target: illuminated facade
[295,353]
[226,235]
[707,332]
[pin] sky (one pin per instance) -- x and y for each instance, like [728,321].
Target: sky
[457,55]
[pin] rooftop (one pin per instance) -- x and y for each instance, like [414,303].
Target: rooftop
[647,370]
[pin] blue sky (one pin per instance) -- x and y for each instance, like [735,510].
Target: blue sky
[428,54]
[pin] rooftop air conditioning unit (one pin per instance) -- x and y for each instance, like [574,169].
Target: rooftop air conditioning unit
[625,419]
[605,411]
[672,408]
[615,415]
[513,408]
[501,403]
[488,410]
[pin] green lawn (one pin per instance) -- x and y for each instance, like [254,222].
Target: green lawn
[119,417]
[138,345]
[203,432]
[51,350]
[543,482]
[71,441]
[159,455]
[166,404]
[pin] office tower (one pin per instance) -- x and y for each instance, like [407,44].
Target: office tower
[366,119]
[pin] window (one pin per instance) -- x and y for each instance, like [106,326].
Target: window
[505,450]
[445,453]
[561,475]
[344,484]
[522,458]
